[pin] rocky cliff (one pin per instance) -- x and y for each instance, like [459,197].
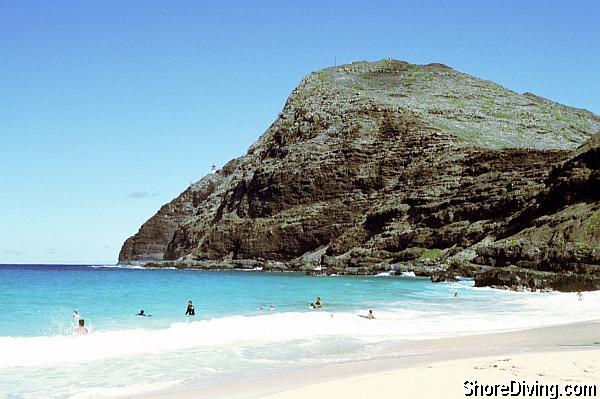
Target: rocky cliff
[557,236]
[391,166]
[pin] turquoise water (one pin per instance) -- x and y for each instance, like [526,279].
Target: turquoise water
[39,300]
[229,338]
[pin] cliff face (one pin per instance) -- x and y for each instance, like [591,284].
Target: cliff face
[374,165]
[558,233]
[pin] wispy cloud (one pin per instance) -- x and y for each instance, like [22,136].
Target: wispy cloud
[13,252]
[142,195]
[51,251]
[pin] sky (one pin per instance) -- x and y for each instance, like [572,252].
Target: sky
[110,109]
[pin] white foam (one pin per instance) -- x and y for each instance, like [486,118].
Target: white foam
[123,391]
[118,266]
[279,327]
[408,274]
[223,332]
[397,321]
[464,278]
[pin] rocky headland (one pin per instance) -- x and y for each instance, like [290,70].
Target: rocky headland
[393,167]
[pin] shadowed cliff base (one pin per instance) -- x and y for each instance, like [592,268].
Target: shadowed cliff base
[394,167]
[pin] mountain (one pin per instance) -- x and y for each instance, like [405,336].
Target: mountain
[383,166]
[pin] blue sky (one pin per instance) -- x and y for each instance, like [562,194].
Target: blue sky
[110,109]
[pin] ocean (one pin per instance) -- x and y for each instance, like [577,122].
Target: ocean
[230,338]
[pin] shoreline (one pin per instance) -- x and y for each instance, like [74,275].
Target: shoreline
[510,277]
[422,361]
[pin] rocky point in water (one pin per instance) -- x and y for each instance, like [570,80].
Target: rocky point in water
[389,166]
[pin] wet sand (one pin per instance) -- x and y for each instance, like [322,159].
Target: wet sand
[437,367]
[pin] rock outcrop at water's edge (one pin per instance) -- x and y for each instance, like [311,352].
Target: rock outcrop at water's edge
[558,236]
[393,167]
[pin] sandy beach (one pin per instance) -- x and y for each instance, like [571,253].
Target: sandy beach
[547,359]
[474,376]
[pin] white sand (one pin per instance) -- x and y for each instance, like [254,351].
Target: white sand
[446,379]
[565,354]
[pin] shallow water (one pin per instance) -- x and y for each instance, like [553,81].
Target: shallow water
[229,337]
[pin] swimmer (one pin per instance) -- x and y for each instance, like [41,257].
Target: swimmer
[190,309]
[143,314]
[368,316]
[271,307]
[81,330]
[455,294]
[318,302]
[261,308]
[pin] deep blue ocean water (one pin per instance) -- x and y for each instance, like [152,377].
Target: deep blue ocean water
[229,337]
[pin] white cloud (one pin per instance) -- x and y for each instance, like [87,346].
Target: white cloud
[142,195]
[13,252]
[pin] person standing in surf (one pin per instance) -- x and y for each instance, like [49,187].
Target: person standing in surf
[190,311]
[81,330]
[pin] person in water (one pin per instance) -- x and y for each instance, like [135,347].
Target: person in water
[190,311]
[318,302]
[271,307]
[81,330]
[143,314]
[370,315]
